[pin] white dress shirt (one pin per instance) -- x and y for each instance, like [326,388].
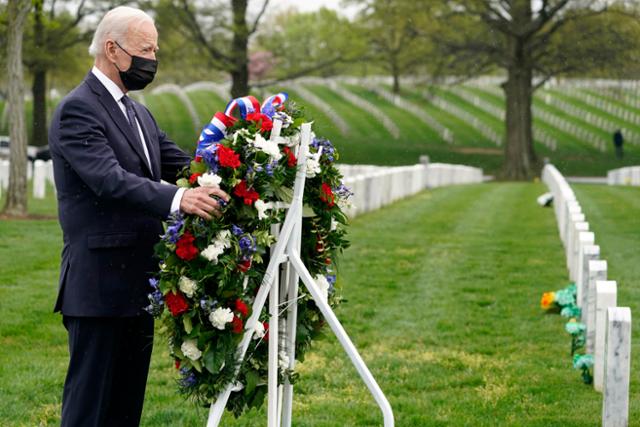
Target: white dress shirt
[117,94]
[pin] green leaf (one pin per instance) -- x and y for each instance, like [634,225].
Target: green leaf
[183,182]
[213,360]
[284,193]
[188,326]
[252,381]
[307,211]
[198,167]
[197,365]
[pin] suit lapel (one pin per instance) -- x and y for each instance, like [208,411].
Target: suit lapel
[118,117]
[152,146]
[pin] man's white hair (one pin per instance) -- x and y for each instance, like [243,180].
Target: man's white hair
[114,25]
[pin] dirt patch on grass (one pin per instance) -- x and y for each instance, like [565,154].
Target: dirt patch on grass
[31,217]
[479,150]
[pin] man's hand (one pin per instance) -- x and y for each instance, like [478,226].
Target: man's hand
[198,201]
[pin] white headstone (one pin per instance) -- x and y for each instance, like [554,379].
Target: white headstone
[615,404]
[586,238]
[578,227]
[597,272]
[606,296]
[39,179]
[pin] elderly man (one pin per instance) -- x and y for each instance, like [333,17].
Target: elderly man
[109,157]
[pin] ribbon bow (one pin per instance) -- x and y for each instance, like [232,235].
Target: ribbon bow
[249,109]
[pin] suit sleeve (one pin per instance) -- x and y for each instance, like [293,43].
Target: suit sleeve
[84,146]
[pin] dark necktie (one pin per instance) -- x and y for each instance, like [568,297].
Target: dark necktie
[131,116]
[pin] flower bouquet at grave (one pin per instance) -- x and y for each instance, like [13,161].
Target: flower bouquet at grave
[210,271]
[562,301]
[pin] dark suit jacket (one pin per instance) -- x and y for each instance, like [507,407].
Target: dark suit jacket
[110,204]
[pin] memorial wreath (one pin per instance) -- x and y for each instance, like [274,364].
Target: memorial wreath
[210,271]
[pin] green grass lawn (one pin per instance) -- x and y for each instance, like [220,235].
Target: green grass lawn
[443,295]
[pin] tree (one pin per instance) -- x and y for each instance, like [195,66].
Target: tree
[16,203]
[527,43]
[54,31]
[529,40]
[220,34]
[392,29]
[316,43]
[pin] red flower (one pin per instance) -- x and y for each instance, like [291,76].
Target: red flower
[244,266]
[249,195]
[266,331]
[194,178]
[177,364]
[242,308]
[237,325]
[176,303]
[291,159]
[327,261]
[185,248]
[258,117]
[326,195]
[227,157]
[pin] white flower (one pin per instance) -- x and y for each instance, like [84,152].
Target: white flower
[267,146]
[220,317]
[217,247]
[224,239]
[283,361]
[258,330]
[209,180]
[241,132]
[190,349]
[212,252]
[313,167]
[187,286]
[323,285]
[261,207]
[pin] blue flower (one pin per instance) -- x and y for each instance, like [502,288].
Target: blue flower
[174,225]
[188,379]
[247,245]
[237,231]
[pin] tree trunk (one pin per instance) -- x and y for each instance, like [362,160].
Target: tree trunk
[519,154]
[396,81]
[16,204]
[239,49]
[39,92]
[39,85]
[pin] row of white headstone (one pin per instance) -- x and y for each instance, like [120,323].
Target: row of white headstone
[629,175]
[615,110]
[500,114]
[553,120]
[608,326]
[378,186]
[596,120]
[471,119]
[39,171]
[569,127]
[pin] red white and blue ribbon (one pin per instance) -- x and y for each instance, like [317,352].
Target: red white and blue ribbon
[275,101]
[216,130]
[213,132]
[246,105]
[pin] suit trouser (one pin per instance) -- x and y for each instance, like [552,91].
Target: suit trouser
[108,367]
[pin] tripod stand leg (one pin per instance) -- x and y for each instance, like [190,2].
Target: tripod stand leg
[344,339]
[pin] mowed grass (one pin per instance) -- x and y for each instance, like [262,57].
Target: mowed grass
[442,294]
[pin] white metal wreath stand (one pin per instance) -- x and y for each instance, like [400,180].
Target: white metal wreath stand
[287,251]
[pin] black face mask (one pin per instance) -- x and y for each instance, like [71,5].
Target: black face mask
[140,73]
